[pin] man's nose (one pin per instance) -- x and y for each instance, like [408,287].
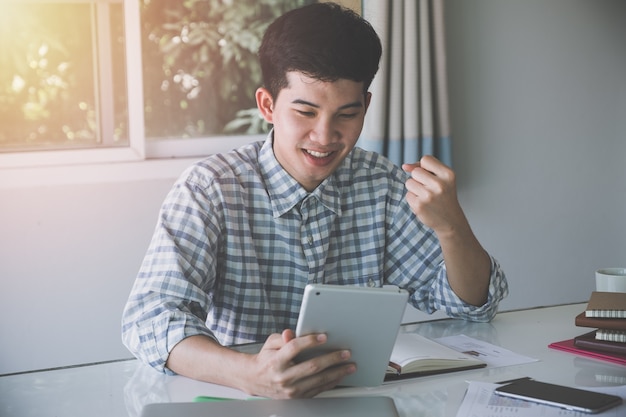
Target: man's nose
[324,131]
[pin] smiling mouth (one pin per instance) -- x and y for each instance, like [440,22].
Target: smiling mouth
[318,154]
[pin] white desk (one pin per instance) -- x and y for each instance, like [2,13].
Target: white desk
[122,388]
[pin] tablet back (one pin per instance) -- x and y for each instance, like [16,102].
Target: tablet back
[362,319]
[314,407]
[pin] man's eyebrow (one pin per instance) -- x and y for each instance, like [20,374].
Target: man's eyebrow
[345,106]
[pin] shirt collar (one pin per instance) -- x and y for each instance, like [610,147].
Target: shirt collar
[285,192]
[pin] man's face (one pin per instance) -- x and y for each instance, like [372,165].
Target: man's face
[316,125]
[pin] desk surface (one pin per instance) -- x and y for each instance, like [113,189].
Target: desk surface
[122,388]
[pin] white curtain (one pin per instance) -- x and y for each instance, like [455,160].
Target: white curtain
[409,116]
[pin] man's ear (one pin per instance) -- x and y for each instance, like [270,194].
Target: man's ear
[265,103]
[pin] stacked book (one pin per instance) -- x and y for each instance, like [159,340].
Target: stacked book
[606,315]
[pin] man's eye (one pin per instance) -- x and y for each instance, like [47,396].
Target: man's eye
[306,113]
[348,115]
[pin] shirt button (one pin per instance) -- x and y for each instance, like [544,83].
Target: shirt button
[309,240]
[371,283]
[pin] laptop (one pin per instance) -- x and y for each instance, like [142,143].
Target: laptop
[376,406]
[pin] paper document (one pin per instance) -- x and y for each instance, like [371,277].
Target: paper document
[494,356]
[480,400]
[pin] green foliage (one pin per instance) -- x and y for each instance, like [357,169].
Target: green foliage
[201,67]
[200,70]
[45,96]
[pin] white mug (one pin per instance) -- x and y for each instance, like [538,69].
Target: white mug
[611,280]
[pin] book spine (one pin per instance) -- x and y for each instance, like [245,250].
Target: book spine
[611,379]
[591,343]
[611,335]
[600,323]
[606,314]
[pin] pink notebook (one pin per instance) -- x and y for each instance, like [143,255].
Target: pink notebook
[568,346]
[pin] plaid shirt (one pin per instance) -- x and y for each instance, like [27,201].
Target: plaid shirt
[238,239]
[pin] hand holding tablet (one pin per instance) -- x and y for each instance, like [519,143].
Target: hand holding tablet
[363,320]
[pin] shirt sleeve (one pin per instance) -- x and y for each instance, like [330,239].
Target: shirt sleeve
[169,299]
[457,308]
[414,261]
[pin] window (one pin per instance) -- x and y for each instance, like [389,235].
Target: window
[201,72]
[57,92]
[86,81]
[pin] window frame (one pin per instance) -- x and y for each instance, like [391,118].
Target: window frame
[139,148]
[141,155]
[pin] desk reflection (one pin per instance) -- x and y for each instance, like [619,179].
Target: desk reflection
[120,388]
[423,396]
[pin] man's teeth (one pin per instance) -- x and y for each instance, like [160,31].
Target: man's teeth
[318,154]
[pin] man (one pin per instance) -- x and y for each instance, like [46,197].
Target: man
[241,234]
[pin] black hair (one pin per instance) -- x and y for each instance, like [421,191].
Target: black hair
[325,41]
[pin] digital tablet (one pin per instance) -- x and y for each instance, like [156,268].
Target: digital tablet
[363,320]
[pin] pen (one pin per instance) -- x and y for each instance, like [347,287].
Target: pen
[205,399]
[208,399]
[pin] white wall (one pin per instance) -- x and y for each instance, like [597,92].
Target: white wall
[69,256]
[538,96]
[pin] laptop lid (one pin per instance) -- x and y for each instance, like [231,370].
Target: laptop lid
[376,406]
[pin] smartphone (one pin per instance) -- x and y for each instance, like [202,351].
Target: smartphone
[560,396]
